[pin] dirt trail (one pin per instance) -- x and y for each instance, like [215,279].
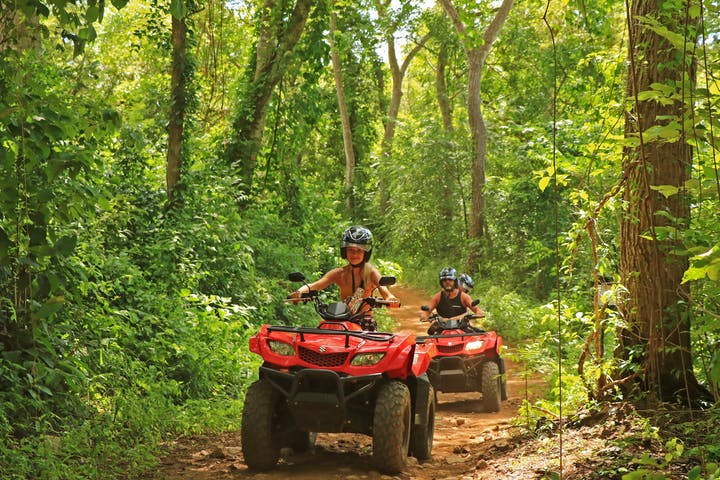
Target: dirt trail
[465,437]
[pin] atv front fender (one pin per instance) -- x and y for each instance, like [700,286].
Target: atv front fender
[421,395]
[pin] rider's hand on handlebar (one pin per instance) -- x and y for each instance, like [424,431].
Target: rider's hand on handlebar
[296,294]
[393,302]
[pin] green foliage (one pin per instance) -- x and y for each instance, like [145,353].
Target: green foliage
[131,322]
[510,313]
[654,467]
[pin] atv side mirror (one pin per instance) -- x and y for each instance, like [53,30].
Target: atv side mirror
[296,277]
[387,281]
[425,308]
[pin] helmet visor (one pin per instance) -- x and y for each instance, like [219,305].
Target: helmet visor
[361,246]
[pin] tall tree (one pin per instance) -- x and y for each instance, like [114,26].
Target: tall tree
[397,73]
[281,24]
[180,76]
[444,103]
[344,116]
[477,49]
[656,338]
[447,40]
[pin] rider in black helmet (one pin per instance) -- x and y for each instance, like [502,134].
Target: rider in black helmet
[358,278]
[359,237]
[450,301]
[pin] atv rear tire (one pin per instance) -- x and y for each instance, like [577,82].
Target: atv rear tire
[392,423]
[260,444]
[491,386]
[421,439]
[503,383]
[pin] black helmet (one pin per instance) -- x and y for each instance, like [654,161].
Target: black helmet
[448,273]
[465,281]
[356,236]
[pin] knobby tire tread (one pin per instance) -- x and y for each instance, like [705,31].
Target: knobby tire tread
[391,427]
[491,386]
[421,440]
[260,445]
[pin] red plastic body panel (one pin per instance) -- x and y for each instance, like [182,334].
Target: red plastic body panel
[458,342]
[424,353]
[330,347]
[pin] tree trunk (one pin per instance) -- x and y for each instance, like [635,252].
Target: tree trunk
[478,131]
[177,108]
[476,55]
[274,44]
[446,109]
[656,339]
[390,121]
[344,118]
[397,73]
[18,31]
[447,208]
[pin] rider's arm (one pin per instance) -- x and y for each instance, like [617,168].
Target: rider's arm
[384,291]
[467,301]
[326,280]
[431,306]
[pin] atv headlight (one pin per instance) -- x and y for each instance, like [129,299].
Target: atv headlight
[367,359]
[475,345]
[281,348]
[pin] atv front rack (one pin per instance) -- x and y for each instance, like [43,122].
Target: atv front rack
[425,338]
[302,331]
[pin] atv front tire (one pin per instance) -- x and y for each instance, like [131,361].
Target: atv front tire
[391,427]
[421,439]
[260,444]
[491,386]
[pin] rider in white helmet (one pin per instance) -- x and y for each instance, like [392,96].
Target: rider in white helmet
[465,282]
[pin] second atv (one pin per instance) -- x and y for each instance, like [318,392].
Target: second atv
[338,378]
[467,359]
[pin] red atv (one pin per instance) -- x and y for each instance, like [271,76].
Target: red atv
[467,359]
[338,378]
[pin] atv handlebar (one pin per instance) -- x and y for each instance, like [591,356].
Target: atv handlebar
[341,311]
[378,302]
[372,301]
[437,318]
[439,324]
[304,297]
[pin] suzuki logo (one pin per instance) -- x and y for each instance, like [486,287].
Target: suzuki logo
[322,349]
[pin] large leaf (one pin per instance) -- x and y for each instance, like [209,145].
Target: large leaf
[65,245]
[704,264]
[50,307]
[178,9]
[666,190]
